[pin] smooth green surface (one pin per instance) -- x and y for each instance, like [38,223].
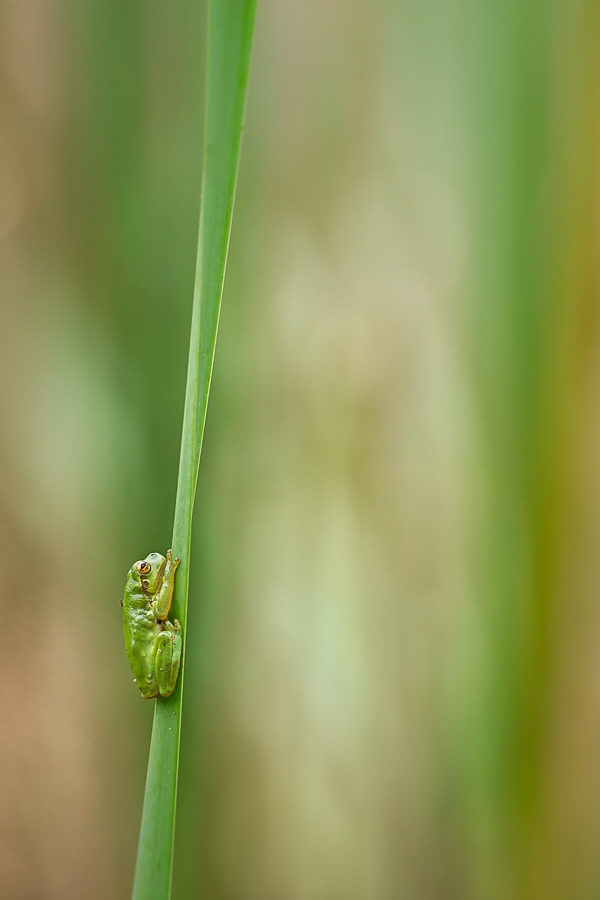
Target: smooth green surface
[230,31]
[153,643]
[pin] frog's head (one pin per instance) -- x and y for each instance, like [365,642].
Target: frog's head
[150,571]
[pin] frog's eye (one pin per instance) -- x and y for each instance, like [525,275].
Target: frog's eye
[143,567]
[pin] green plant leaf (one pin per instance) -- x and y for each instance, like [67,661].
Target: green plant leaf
[230,32]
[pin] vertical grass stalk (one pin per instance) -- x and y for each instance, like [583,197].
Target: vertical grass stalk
[230,31]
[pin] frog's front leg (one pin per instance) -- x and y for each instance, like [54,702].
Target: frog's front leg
[168,658]
[162,601]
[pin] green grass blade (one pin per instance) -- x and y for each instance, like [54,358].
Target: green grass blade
[230,31]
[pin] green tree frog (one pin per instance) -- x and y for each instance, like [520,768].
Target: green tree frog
[153,643]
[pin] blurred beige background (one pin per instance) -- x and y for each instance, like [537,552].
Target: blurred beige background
[394,635]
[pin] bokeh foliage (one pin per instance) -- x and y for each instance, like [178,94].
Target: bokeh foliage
[394,632]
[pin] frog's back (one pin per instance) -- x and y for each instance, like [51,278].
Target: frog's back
[139,626]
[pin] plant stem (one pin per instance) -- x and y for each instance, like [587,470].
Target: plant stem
[230,31]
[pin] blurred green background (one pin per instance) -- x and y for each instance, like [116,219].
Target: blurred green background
[393,671]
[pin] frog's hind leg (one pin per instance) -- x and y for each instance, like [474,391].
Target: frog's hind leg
[177,648]
[168,659]
[149,687]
